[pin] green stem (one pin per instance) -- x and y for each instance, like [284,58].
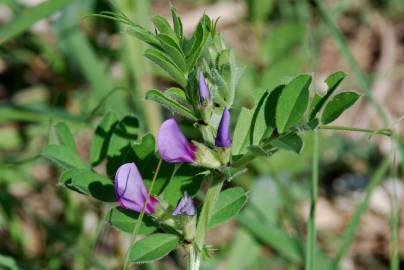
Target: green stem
[310,262]
[394,213]
[193,264]
[139,221]
[204,218]
[384,131]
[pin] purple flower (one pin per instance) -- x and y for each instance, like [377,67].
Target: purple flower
[223,132]
[172,144]
[131,191]
[185,206]
[203,88]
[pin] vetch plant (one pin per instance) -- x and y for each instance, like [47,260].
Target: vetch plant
[156,182]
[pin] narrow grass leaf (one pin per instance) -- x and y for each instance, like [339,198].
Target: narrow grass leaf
[272,236]
[28,17]
[244,251]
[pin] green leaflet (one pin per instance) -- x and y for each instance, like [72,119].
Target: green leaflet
[65,137]
[170,103]
[173,50]
[290,142]
[318,102]
[89,183]
[292,103]
[337,105]
[178,28]
[195,46]
[241,133]
[144,35]
[229,204]
[101,138]
[164,27]
[64,156]
[167,65]
[125,220]
[153,247]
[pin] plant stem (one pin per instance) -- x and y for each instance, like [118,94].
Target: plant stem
[139,220]
[383,131]
[310,262]
[204,218]
[193,263]
[394,213]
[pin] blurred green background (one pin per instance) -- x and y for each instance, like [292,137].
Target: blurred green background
[58,63]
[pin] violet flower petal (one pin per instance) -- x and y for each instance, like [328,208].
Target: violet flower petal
[223,132]
[204,93]
[172,144]
[131,191]
[185,206]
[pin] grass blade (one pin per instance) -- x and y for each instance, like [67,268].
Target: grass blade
[28,17]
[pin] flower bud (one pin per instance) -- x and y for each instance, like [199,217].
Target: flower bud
[204,93]
[223,132]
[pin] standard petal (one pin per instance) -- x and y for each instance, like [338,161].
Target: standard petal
[223,132]
[172,144]
[204,93]
[131,191]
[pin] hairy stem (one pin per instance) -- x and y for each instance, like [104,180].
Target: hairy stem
[139,221]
